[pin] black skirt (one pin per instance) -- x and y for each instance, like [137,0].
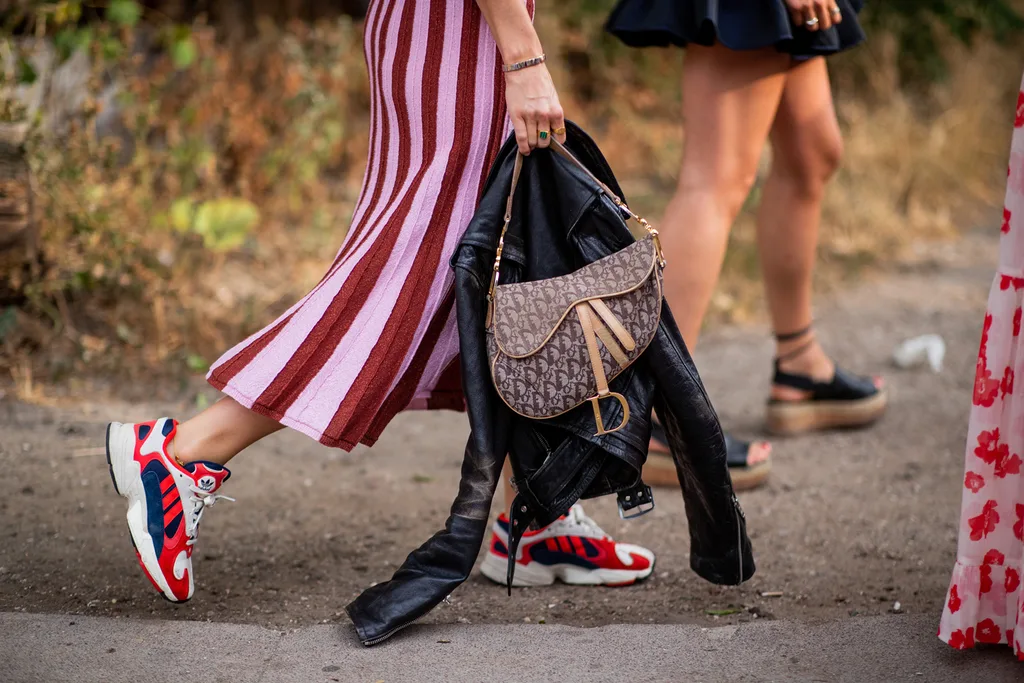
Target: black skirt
[736,24]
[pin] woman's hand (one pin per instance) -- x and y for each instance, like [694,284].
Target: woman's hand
[815,15]
[533,107]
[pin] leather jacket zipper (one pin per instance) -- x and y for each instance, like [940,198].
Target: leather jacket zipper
[740,519]
[381,639]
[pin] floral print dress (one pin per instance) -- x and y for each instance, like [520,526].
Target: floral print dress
[985,602]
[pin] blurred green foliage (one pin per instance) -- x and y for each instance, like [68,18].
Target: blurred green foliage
[179,148]
[917,25]
[103,27]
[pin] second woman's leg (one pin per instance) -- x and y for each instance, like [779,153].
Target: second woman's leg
[807,147]
[729,102]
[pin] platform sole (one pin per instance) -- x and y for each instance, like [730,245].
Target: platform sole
[788,418]
[660,471]
[535,574]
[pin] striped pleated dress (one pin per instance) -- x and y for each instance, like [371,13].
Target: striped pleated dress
[377,335]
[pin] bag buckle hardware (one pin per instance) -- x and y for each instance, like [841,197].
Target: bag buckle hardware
[642,501]
[595,402]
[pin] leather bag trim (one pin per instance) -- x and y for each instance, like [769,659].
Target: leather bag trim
[570,307]
[611,376]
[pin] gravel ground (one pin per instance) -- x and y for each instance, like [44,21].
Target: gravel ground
[855,523]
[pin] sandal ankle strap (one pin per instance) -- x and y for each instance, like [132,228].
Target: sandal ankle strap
[793,336]
[794,353]
[843,386]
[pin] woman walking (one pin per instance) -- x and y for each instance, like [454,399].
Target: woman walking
[449,79]
[755,71]
[984,602]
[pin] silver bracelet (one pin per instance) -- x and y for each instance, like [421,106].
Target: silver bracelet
[533,61]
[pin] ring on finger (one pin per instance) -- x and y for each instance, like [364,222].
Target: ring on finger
[543,135]
[559,131]
[812,22]
[836,12]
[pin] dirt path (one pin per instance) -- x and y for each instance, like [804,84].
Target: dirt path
[850,524]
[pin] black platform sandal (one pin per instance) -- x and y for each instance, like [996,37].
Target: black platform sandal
[660,470]
[847,400]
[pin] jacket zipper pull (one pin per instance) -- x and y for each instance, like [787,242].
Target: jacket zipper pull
[518,519]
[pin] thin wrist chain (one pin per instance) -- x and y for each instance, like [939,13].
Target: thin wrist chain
[526,63]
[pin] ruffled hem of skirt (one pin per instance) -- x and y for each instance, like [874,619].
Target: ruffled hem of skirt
[657,23]
[971,617]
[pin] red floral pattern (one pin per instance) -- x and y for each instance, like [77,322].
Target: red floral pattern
[994,557]
[988,446]
[985,523]
[985,572]
[1009,464]
[997,454]
[973,481]
[962,640]
[988,632]
[1007,281]
[986,389]
[954,601]
[986,595]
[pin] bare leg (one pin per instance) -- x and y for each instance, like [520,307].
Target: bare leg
[807,147]
[729,102]
[220,432]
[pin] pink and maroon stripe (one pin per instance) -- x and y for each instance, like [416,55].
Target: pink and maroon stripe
[377,334]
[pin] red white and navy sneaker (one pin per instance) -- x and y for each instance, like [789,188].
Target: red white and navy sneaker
[165,500]
[573,549]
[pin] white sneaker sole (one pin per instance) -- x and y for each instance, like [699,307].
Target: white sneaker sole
[127,477]
[536,574]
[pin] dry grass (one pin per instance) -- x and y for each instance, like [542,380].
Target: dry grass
[921,163]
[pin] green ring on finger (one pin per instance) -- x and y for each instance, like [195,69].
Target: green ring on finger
[543,135]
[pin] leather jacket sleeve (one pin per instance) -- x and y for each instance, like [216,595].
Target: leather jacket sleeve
[561,224]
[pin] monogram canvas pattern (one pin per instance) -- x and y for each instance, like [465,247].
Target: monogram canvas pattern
[526,313]
[558,375]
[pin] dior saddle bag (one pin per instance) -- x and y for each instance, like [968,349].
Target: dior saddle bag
[555,344]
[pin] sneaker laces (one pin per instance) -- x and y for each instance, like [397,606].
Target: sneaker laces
[200,500]
[578,516]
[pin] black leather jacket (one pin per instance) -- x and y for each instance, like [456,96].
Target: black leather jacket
[561,222]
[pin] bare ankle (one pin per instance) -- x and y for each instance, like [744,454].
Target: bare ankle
[175,450]
[805,357]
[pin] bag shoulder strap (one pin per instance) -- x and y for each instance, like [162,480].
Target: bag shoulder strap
[561,150]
